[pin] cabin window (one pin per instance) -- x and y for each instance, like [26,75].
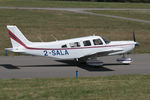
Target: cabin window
[87,43]
[75,44]
[64,46]
[97,42]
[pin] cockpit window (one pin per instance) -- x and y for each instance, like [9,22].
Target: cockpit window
[106,40]
[97,42]
[87,43]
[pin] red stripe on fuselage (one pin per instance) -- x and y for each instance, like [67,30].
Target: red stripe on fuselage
[16,39]
[21,43]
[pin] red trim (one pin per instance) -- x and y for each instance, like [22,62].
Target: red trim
[16,39]
[21,43]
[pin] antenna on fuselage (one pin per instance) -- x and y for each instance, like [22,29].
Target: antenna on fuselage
[40,38]
[54,37]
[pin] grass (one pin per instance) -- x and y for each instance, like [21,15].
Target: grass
[138,14]
[124,87]
[38,25]
[72,4]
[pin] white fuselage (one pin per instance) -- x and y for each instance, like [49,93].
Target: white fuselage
[83,48]
[75,48]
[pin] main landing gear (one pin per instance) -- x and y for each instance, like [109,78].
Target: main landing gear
[124,60]
[94,62]
[90,61]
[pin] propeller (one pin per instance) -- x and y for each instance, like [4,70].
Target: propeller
[134,38]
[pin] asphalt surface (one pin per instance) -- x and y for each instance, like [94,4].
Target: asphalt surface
[43,67]
[85,11]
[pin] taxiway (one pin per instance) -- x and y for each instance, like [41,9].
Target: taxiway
[43,67]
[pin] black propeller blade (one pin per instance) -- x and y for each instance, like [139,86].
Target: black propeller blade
[137,44]
[134,37]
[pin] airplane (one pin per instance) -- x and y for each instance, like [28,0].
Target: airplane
[83,49]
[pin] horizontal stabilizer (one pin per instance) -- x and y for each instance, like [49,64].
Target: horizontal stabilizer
[14,50]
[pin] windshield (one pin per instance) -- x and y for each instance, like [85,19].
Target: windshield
[106,40]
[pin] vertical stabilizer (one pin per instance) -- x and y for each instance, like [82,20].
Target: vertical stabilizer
[17,38]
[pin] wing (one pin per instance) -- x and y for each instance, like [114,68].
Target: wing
[102,53]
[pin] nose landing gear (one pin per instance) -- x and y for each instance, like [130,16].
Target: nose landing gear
[124,60]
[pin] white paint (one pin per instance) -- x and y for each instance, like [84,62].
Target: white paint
[54,49]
